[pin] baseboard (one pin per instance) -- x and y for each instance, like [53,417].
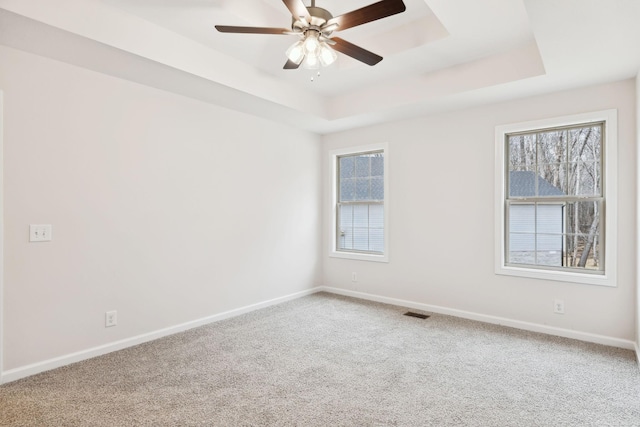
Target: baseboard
[518,324]
[36,368]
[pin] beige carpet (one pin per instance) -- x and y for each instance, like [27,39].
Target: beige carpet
[325,360]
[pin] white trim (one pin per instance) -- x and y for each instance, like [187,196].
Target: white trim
[36,368]
[610,117]
[518,324]
[333,154]
[637,302]
[1,233]
[46,365]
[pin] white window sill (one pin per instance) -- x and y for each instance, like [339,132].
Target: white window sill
[359,256]
[560,276]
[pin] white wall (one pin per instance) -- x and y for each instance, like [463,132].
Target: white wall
[163,208]
[441,199]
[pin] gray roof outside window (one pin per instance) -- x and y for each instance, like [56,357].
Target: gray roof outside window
[523,184]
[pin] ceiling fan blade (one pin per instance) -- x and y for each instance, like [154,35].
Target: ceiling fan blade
[290,65]
[356,52]
[252,30]
[373,12]
[297,9]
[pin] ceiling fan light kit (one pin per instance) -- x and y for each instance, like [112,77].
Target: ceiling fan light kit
[315,25]
[312,51]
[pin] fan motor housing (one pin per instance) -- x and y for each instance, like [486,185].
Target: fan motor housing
[319,17]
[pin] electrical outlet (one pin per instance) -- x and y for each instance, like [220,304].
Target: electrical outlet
[354,277]
[558,306]
[110,318]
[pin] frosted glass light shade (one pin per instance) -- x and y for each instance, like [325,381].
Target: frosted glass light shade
[311,62]
[295,53]
[311,42]
[327,55]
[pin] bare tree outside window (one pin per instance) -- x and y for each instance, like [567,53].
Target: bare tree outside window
[555,198]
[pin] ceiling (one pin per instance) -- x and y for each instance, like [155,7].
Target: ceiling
[439,55]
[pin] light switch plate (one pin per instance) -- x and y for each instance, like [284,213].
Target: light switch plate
[40,232]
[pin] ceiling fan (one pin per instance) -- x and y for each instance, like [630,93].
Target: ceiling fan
[315,25]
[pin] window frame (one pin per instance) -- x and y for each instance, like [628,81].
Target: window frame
[334,155]
[606,277]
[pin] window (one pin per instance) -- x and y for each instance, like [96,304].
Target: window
[359,193]
[556,197]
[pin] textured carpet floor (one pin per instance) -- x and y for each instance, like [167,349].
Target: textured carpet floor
[326,360]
